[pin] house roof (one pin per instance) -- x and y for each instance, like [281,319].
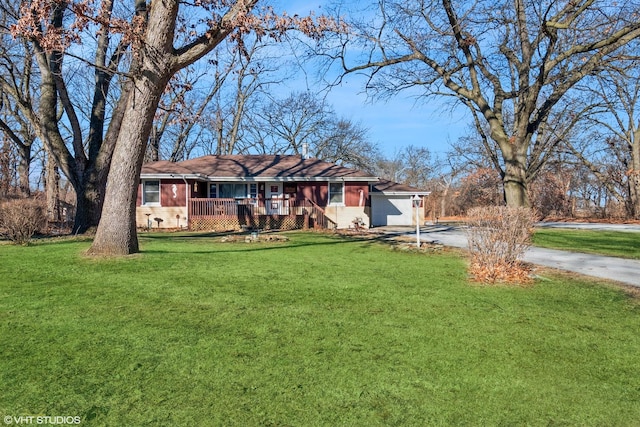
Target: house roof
[254,168]
[386,187]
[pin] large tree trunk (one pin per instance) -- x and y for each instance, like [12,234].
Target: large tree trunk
[515,180]
[116,233]
[515,187]
[157,60]
[89,197]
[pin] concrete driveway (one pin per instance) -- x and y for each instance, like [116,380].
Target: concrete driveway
[621,270]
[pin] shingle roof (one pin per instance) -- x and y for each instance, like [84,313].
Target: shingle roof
[254,166]
[386,186]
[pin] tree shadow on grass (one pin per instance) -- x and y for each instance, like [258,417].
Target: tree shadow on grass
[241,245]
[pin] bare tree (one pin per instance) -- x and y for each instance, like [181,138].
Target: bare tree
[511,62]
[611,148]
[303,121]
[154,60]
[17,130]
[7,168]
[256,71]
[348,144]
[179,118]
[411,165]
[57,117]
[299,119]
[16,88]
[422,166]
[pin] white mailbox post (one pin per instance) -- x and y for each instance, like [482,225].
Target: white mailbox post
[416,202]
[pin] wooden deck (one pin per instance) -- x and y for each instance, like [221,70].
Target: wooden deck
[263,214]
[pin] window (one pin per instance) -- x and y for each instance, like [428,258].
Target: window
[213,191]
[232,191]
[336,193]
[151,193]
[290,188]
[253,191]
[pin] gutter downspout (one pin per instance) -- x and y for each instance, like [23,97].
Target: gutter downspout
[186,198]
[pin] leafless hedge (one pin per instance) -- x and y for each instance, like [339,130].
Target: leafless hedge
[20,219]
[498,238]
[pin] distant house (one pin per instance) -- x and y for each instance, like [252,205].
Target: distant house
[235,192]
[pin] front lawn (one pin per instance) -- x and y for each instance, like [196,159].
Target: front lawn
[613,243]
[319,330]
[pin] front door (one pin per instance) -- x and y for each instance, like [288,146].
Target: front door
[275,198]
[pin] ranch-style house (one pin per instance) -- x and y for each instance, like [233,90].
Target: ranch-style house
[234,192]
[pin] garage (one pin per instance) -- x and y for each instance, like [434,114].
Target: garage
[391,204]
[391,210]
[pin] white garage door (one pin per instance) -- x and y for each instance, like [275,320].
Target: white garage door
[391,210]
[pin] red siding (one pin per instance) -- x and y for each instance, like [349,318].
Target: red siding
[356,194]
[167,198]
[317,192]
[172,192]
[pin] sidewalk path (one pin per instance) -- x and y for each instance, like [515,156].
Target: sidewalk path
[621,270]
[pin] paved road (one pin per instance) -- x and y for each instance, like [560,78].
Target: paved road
[618,269]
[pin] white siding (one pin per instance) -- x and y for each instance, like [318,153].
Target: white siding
[392,210]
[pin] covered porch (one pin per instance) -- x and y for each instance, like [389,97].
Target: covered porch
[223,214]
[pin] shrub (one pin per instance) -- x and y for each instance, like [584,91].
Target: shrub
[20,219]
[498,238]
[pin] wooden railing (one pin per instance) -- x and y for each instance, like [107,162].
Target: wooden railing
[221,207]
[322,219]
[243,208]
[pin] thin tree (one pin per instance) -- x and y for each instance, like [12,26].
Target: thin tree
[19,132]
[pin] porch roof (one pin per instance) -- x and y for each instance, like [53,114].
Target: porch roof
[254,168]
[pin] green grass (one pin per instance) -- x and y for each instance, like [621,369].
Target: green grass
[317,331]
[613,243]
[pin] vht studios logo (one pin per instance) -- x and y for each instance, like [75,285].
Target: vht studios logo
[42,420]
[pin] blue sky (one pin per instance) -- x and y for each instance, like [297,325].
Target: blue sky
[399,121]
[392,124]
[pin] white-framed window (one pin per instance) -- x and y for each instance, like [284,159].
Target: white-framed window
[253,191]
[232,191]
[151,192]
[336,193]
